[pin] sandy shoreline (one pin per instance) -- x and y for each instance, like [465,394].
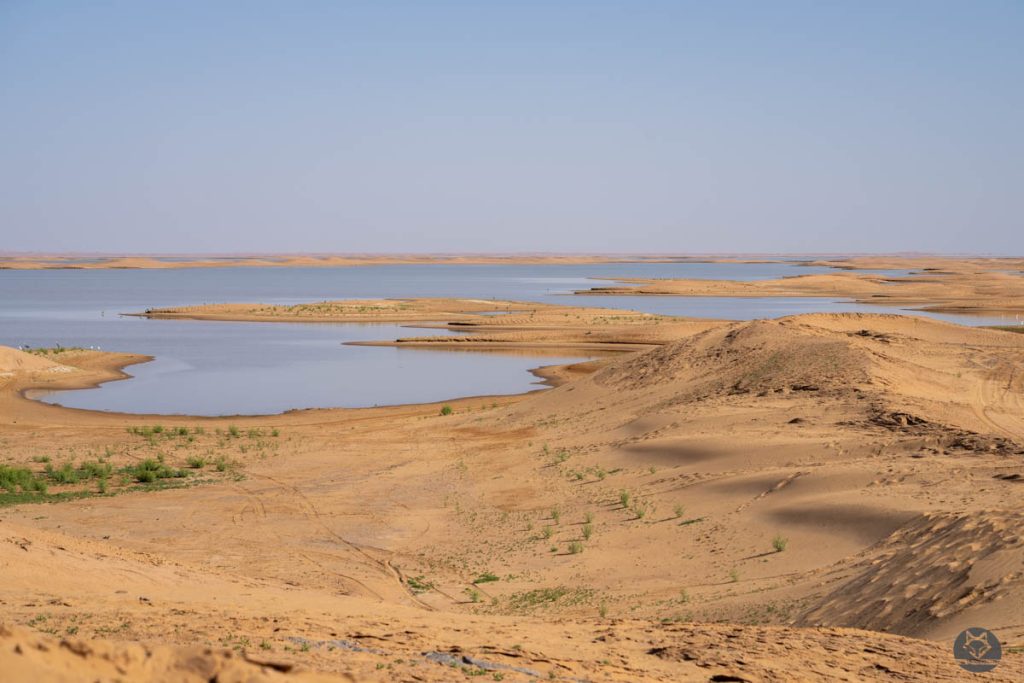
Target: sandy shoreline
[619,526]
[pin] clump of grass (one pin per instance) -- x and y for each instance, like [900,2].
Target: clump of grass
[149,470]
[575,548]
[233,431]
[588,518]
[640,509]
[624,497]
[446,410]
[678,510]
[734,575]
[15,479]
[779,543]
[474,594]
[196,462]
[588,531]
[486,577]
[602,609]
[66,474]
[556,515]
[94,469]
[547,532]
[419,584]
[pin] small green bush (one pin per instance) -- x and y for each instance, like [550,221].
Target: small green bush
[13,479]
[486,577]
[446,410]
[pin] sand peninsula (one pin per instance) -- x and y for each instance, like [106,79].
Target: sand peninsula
[943,285]
[697,503]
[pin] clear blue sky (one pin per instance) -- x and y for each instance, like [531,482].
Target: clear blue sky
[512,126]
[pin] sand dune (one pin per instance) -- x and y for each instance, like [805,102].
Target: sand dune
[733,494]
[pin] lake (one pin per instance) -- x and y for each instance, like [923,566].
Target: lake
[222,368]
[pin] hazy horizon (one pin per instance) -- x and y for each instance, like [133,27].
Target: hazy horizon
[563,127]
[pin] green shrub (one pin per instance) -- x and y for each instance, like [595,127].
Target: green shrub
[65,475]
[486,577]
[13,479]
[624,498]
[149,470]
[196,462]
[779,543]
[446,410]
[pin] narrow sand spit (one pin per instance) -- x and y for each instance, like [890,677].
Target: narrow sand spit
[721,501]
[966,286]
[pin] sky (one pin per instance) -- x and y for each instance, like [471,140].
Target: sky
[526,126]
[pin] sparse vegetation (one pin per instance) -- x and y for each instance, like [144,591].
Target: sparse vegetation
[779,543]
[19,479]
[446,410]
[486,577]
[588,531]
[575,548]
[418,584]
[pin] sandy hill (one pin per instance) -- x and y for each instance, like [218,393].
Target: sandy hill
[891,445]
[16,360]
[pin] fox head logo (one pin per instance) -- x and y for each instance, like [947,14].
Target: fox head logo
[977,649]
[977,644]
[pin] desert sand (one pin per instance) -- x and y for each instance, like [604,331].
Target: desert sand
[820,497]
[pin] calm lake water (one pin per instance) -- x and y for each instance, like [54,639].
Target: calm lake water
[220,368]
